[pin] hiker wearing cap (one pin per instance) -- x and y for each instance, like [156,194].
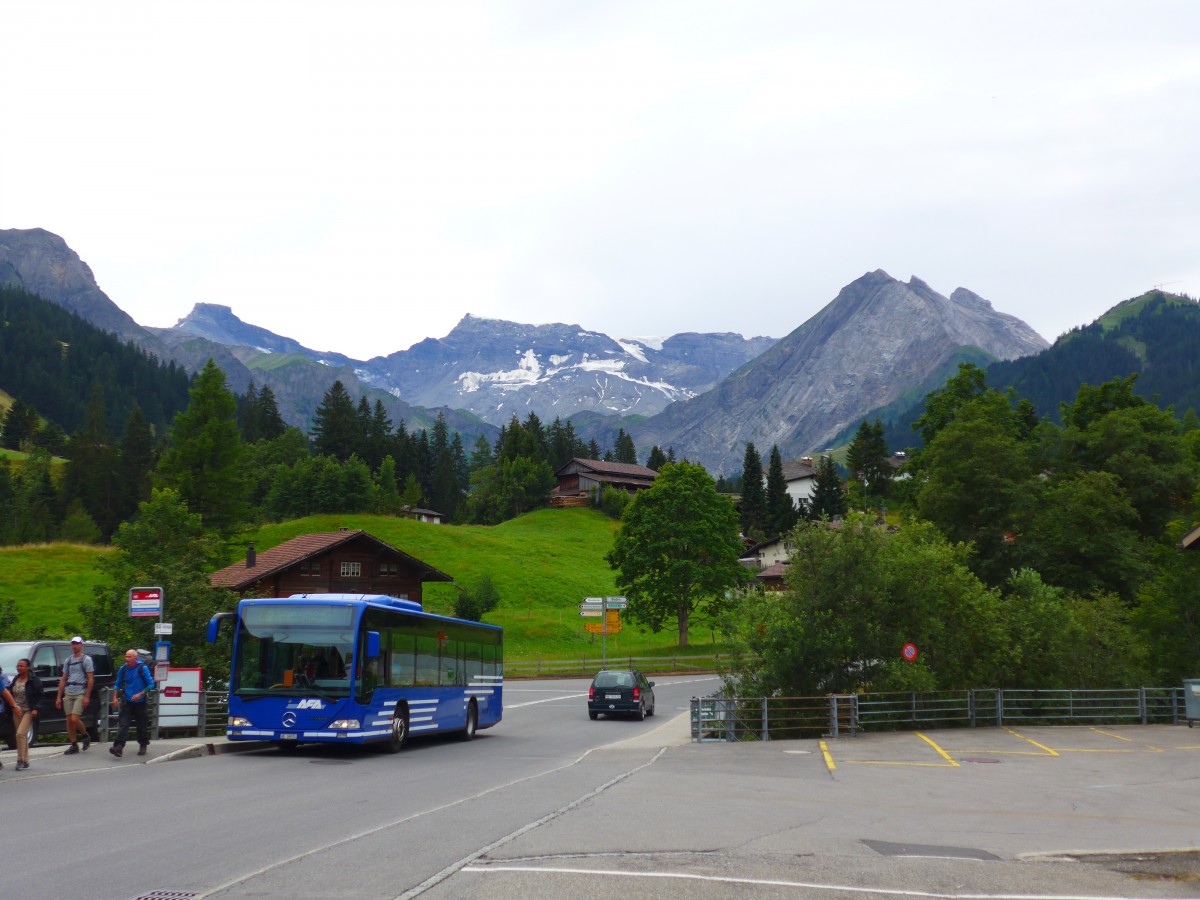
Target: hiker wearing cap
[74,691]
[132,688]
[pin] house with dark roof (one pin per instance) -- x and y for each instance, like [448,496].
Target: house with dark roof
[801,478]
[339,562]
[578,479]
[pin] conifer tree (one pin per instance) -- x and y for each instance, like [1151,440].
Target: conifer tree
[657,459]
[754,497]
[203,463]
[624,450]
[336,429]
[829,498]
[781,510]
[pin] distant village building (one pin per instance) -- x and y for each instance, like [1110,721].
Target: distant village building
[422,515]
[578,479]
[801,479]
[339,562]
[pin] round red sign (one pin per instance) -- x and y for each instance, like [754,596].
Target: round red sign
[910,652]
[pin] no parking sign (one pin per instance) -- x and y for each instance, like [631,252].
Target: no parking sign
[909,652]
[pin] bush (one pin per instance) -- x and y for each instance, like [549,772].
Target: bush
[611,501]
[474,604]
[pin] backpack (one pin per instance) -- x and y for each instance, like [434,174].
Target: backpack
[143,673]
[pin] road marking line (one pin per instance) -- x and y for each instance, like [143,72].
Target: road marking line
[1049,752]
[946,756]
[771,882]
[828,758]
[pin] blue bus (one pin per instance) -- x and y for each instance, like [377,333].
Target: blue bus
[358,669]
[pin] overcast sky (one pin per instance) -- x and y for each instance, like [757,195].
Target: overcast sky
[359,176]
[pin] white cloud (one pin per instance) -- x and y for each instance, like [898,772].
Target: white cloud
[360,177]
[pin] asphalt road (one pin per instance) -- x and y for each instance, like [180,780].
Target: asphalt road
[551,804]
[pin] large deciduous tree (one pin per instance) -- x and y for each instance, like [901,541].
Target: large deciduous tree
[166,546]
[677,550]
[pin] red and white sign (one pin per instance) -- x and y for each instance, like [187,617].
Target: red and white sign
[145,601]
[173,690]
[910,652]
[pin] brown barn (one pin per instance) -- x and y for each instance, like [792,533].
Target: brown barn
[579,478]
[338,562]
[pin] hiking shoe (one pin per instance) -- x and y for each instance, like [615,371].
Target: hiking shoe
[74,748]
[115,751]
[142,750]
[23,765]
[87,742]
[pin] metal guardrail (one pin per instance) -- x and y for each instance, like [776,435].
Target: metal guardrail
[202,713]
[588,666]
[718,718]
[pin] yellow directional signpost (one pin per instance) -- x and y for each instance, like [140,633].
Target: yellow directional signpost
[608,611]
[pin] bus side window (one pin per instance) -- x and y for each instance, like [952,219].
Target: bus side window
[402,671]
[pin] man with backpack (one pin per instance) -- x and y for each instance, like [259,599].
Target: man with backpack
[74,690]
[131,689]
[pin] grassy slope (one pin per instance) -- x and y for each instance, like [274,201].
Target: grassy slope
[543,565]
[48,582]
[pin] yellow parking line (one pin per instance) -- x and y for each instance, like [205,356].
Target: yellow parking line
[946,756]
[1147,748]
[1049,752]
[828,757]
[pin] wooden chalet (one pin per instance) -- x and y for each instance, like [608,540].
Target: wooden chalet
[338,562]
[578,479]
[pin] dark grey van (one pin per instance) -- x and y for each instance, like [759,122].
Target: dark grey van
[46,660]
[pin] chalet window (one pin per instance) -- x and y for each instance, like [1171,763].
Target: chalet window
[310,569]
[351,570]
[389,568]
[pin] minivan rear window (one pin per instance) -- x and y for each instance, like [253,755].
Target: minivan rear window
[614,680]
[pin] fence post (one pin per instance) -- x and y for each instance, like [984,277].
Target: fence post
[202,713]
[999,706]
[154,725]
[833,715]
[971,707]
[1142,703]
[766,728]
[102,715]
[730,727]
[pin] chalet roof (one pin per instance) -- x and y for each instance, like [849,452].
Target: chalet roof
[1191,540]
[762,545]
[795,469]
[600,467]
[306,546]
[773,572]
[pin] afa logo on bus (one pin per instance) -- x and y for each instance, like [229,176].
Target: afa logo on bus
[313,703]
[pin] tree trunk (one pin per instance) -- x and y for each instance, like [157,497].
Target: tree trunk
[683,625]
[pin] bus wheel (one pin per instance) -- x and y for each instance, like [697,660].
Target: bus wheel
[472,721]
[399,731]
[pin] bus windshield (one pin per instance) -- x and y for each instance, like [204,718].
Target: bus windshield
[294,649]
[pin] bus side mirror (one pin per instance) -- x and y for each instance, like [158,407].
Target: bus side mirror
[372,645]
[214,625]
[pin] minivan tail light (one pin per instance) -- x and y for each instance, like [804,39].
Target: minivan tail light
[591,693]
[637,693]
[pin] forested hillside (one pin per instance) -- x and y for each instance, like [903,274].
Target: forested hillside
[1155,336]
[51,360]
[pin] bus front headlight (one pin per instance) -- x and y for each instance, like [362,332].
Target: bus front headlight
[239,722]
[345,724]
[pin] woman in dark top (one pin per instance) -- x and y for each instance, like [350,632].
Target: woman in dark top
[26,690]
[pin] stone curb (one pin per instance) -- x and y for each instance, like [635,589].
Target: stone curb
[209,749]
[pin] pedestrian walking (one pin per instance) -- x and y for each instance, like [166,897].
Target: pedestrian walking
[6,700]
[131,690]
[26,691]
[74,691]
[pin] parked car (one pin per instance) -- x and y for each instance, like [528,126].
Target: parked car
[621,692]
[46,662]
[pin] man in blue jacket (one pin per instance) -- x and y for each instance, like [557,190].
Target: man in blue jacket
[133,685]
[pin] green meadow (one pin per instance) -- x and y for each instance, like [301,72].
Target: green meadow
[543,564]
